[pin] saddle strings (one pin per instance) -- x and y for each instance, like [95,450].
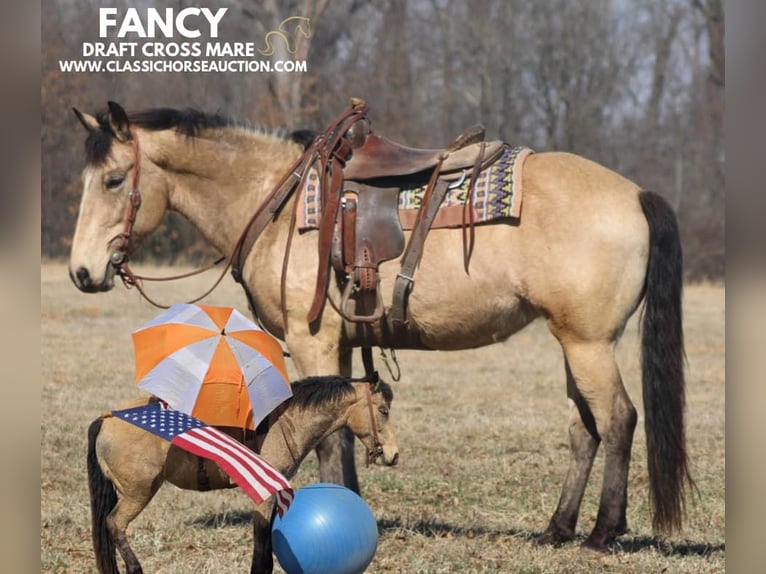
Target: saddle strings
[469,238]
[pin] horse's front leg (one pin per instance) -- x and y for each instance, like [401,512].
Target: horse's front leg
[336,460]
[263,561]
[336,452]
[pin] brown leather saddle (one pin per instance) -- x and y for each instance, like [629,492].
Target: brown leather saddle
[360,177]
[368,231]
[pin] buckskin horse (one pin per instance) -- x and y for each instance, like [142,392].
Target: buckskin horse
[588,249]
[127,465]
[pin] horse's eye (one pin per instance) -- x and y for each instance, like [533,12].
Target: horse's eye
[114,181]
[383,411]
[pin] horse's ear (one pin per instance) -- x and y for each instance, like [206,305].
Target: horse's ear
[375,384]
[89,122]
[118,122]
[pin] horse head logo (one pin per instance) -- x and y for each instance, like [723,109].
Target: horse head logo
[288,30]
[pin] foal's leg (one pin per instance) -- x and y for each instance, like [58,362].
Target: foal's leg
[263,560]
[597,379]
[129,506]
[583,444]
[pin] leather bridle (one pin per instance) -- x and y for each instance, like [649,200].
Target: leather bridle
[377,447]
[120,256]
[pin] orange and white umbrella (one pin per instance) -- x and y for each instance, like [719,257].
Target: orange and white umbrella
[212,363]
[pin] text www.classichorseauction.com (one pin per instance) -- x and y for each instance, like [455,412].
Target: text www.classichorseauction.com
[131,52]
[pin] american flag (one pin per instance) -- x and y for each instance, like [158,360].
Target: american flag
[252,473]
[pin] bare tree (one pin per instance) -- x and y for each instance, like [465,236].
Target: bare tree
[635,85]
[286,90]
[665,21]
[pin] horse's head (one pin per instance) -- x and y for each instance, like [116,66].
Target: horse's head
[114,215]
[369,419]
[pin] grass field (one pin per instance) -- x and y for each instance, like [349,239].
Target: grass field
[482,438]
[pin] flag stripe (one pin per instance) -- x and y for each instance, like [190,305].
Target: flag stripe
[284,500]
[249,486]
[245,456]
[249,476]
[245,479]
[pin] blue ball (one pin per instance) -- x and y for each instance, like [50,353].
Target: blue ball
[328,529]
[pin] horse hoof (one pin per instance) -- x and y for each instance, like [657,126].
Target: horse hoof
[594,545]
[622,529]
[553,538]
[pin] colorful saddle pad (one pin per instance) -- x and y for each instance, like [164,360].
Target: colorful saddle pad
[497,195]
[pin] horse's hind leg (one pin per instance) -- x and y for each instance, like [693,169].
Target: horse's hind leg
[123,514]
[583,444]
[598,383]
[134,493]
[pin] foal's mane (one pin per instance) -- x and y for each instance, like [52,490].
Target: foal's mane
[188,122]
[311,392]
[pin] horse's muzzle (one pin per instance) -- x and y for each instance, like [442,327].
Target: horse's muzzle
[82,279]
[393,461]
[379,454]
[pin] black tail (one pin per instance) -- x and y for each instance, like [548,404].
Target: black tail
[662,346]
[103,499]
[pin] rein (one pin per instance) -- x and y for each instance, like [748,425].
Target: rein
[371,375]
[326,149]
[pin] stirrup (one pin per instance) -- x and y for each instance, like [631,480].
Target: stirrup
[353,317]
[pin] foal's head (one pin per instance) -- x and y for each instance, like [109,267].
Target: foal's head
[364,406]
[369,419]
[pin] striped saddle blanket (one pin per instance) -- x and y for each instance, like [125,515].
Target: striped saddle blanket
[497,196]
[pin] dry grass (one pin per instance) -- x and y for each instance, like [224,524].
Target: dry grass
[482,438]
